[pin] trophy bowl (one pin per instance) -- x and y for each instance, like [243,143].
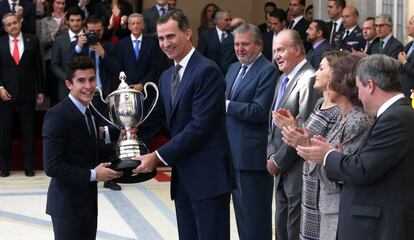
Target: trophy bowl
[126,111]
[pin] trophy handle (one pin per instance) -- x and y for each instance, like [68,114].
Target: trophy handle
[96,110]
[145,97]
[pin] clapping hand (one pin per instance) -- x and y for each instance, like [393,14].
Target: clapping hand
[295,136]
[283,118]
[316,151]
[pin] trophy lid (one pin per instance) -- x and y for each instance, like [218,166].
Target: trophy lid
[123,84]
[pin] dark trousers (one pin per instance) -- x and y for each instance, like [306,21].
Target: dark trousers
[27,118]
[70,228]
[252,201]
[204,219]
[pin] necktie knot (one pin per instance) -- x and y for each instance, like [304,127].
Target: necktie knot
[14,4]
[223,35]
[15,40]
[162,11]
[291,24]
[177,68]
[175,82]
[281,91]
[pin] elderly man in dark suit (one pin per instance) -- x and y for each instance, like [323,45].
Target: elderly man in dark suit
[387,43]
[71,156]
[21,82]
[192,105]
[24,10]
[317,34]
[406,59]
[377,195]
[294,92]
[210,40]
[351,37]
[61,48]
[250,88]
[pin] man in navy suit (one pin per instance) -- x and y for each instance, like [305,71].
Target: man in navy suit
[210,40]
[387,43]
[152,14]
[72,153]
[137,54]
[250,88]
[21,83]
[377,194]
[351,37]
[192,106]
[406,59]
[370,35]
[299,23]
[24,11]
[277,22]
[317,34]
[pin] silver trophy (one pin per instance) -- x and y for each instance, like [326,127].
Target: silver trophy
[126,111]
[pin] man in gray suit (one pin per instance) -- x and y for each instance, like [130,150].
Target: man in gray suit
[61,49]
[378,191]
[250,89]
[387,43]
[294,92]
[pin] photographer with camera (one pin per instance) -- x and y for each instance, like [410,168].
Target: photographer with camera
[91,45]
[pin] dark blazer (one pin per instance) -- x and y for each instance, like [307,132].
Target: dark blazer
[29,23]
[151,16]
[267,50]
[60,56]
[378,192]
[392,49]
[336,35]
[108,65]
[209,44]
[68,161]
[227,54]
[197,150]
[25,80]
[407,72]
[315,56]
[146,68]
[248,113]
[369,50]
[355,40]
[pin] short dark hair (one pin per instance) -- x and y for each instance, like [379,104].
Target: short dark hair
[343,79]
[176,15]
[339,3]
[308,8]
[323,27]
[270,4]
[94,19]
[279,14]
[370,19]
[302,2]
[78,63]
[75,11]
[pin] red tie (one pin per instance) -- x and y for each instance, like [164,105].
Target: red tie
[16,52]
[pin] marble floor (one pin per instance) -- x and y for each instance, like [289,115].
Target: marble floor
[139,211]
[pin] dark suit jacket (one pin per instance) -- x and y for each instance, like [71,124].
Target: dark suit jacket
[407,72]
[336,35]
[29,23]
[378,193]
[25,80]
[145,69]
[197,150]
[227,54]
[392,49]
[354,40]
[69,154]
[108,66]
[151,16]
[209,44]
[60,56]
[248,113]
[267,50]
[369,50]
[315,56]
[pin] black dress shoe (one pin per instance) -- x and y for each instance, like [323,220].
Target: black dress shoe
[29,173]
[4,173]
[112,185]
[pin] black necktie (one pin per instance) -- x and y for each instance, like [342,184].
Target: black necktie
[91,127]
[346,34]
[14,7]
[333,33]
[162,11]
[291,24]
[175,82]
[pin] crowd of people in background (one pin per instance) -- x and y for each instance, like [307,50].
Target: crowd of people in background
[308,104]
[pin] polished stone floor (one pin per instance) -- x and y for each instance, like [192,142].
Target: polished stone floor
[139,211]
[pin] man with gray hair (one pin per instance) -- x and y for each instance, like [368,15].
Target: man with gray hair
[387,43]
[377,196]
[294,92]
[250,88]
[211,39]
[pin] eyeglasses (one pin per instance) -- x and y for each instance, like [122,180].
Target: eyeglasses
[381,25]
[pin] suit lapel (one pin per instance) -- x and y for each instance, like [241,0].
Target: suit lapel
[292,83]
[248,75]
[231,78]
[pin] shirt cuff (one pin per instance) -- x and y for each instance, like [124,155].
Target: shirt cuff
[93,176]
[107,136]
[227,104]
[78,49]
[326,156]
[273,160]
[161,159]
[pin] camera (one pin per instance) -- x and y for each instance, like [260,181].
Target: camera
[92,38]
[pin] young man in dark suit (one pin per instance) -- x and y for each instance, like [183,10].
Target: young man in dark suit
[377,194]
[299,23]
[21,83]
[317,34]
[406,59]
[192,106]
[72,156]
